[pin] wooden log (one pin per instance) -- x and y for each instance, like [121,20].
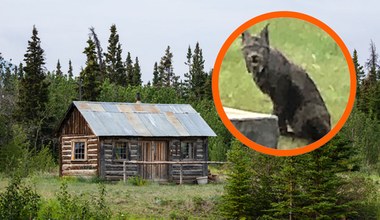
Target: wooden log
[188,172]
[79,137]
[79,166]
[79,172]
[121,173]
[82,162]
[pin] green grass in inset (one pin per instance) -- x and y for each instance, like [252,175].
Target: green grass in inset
[305,45]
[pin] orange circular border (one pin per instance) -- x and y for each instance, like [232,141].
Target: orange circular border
[236,132]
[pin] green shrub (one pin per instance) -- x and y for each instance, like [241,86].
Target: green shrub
[17,160]
[19,201]
[67,206]
[179,215]
[137,181]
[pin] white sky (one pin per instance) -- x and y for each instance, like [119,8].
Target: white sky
[146,28]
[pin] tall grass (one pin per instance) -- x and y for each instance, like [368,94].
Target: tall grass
[305,45]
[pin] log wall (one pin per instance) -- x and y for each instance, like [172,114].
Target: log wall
[71,167]
[189,171]
[111,168]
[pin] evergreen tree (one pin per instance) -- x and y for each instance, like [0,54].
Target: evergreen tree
[238,201]
[321,180]
[33,91]
[91,74]
[372,64]
[156,82]
[114,64]
[20,71]
[129,69]
[188,75]
[165,69]
[286,191]
[359,70]
[70,71]
[136,79]
[99,51]
[208,86]
[199,76]
[369,84]
[196,79]
[58,71]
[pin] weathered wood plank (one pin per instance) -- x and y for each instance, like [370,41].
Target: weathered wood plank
[121,173]
[71,137]
[79,166]
[79,172]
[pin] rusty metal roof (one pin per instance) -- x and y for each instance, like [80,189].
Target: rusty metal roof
[149,120]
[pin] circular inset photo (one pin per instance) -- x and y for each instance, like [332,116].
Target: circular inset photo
[284,83]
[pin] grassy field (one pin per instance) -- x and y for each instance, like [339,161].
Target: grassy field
[304,44]
[152,201]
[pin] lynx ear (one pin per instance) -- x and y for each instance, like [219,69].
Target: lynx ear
[245,35]
[264,34]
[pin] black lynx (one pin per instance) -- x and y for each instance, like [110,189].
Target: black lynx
[296,99]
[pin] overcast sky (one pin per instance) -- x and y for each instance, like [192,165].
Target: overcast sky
[146,28]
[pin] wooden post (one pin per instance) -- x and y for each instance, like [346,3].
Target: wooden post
[124,171]
[180,174]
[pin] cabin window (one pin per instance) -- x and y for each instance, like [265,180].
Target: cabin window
[79,150]
[120,151]
[188,150]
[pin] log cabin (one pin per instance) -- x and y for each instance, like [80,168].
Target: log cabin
[97,137]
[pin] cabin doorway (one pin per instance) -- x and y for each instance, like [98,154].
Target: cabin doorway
[155,151]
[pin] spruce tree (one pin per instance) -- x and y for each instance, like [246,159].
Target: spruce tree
[199,76]
[372,64]
[196,78]
[238,201]
[90,76]
[33,91]
[165,69]
[156,82]
[70,71]
[188,75]
[58,71]
[20,71]
[321,180]
[114,64]
[136,79]
[99,51]
[129,69]
[369,84]
[359,70]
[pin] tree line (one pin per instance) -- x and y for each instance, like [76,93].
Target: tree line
[337,181]
[34,100]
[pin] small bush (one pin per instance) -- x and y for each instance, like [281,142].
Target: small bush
[178,215]
[68,206]
[137,181]
[19,201]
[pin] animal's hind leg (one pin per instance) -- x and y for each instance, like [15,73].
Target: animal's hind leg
[311,122]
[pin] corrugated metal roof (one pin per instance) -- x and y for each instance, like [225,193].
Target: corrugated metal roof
[148,120]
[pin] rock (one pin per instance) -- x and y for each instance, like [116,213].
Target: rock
[260,128]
